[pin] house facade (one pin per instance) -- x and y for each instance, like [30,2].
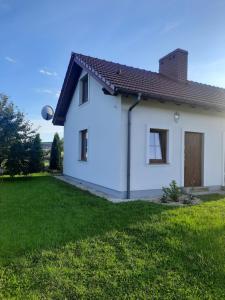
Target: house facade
[128,132]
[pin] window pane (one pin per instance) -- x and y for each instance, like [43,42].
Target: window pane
[85,90]
[84,144]
[84,83]
[158,152]
[158,145]
[152,152]
[152,138]
[157,141]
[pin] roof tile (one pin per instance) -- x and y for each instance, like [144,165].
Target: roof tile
[135,80]
[119,78]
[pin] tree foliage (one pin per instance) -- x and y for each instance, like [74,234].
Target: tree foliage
[36,163]
[56,150]
[13,127]
[18,159]
[16,137]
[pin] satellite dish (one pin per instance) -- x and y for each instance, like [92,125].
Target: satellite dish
[47,112]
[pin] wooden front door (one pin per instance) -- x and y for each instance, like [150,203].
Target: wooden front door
[193,162]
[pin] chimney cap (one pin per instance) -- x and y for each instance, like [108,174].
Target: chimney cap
[178,50]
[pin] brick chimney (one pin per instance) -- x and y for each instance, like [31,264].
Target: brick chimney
[175,65]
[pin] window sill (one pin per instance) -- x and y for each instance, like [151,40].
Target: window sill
[83,104]
[82,160]
[158,164]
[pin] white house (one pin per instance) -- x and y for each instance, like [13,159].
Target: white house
[128,131]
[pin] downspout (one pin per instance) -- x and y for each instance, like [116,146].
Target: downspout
[129,143]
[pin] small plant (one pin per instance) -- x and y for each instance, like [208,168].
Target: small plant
[163,199]
[173,192]
[187,200]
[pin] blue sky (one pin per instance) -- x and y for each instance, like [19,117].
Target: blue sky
[37,38]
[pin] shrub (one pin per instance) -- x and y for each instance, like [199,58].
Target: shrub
[55,156]
[36,155]
[18,159]
[173,192]
[16,135]
[188,199]
[163,199]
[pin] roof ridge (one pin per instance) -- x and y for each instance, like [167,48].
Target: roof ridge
[113,62]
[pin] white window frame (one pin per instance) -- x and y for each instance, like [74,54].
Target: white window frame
[169,145]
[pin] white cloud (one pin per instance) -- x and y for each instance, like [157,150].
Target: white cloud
[48,73]
[48,91]
[46,129]
[170,27]
[10,59]
[44,91]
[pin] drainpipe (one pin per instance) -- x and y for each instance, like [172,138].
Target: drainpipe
[129,143]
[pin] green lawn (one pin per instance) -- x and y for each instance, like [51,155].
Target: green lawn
[57,242]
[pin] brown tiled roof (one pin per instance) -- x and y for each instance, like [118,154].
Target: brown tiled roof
[117,78]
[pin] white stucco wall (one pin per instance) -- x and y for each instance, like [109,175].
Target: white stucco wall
[102,117]
[105,117]
[158,115]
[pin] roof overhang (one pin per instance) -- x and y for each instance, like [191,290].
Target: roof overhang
[69,85]
[166,98]
[73,73]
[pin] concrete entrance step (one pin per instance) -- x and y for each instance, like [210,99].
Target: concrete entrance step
[196,189]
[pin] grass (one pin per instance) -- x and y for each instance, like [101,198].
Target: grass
[58,242]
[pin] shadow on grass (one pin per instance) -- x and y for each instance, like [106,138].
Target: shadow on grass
[212,197]
[20,178]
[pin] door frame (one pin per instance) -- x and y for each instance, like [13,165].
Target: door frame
[183,131]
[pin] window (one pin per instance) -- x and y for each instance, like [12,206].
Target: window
[84,145]
[158,146]
[84,89]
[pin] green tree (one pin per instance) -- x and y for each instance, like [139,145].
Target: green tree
[36,163]
[18,159]
[55,157]
[16,133]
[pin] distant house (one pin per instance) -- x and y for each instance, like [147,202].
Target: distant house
[128,131]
